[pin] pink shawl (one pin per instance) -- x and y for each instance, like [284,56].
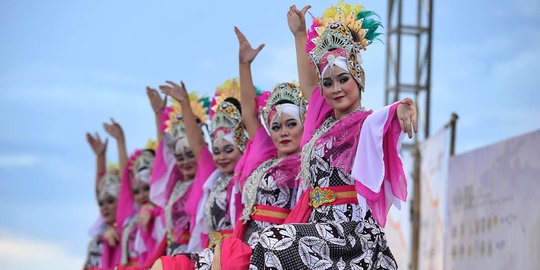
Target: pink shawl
[258,150]
[205,167]
[377,148]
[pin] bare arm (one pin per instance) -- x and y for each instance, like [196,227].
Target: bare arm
[195,137]
[99,147]
[158,104]
[115,130]
[307,75]
[246,55]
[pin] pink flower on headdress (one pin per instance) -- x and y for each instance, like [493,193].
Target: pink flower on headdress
[165,117]
[312,34]
[261,100]
[133,158]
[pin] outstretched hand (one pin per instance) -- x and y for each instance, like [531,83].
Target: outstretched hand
[155,99]
[145,215]
[114,129]
[297,19]
[111,235]
[176,91]
[406,113]
[98,146]
[246,53]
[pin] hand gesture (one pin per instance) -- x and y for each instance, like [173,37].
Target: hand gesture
[406,113]
[246,53]
[145,215]
[114,129]
[155,99]
[98,146]
[297,19]
[111,235]
[176,91]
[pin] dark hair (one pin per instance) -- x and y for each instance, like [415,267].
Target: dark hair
[284,101]
[235,102]
[151,151]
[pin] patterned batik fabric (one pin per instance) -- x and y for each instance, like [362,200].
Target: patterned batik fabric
[341,236]
[272,183]
[95,251]
[129,233]
[276,186]
[216,210]
[176,219]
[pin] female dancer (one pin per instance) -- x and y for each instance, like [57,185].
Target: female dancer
[103,250]
[174,171]
[351,170]
[269,192]
[212,196]
[134,194]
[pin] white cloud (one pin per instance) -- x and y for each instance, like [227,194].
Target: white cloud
[21,253]
[18,160]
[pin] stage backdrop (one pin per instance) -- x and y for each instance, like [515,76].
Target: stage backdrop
[434,154]
[494,207]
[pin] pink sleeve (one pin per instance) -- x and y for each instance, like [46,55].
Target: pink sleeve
[317,112]
[162,169]
[111,255]
[258,150]
[377,166]
[126,205]
[205,167]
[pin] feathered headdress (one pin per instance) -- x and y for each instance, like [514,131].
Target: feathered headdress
[173,121]
[343,30]
[230,88]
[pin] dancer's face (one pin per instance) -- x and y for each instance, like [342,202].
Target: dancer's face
[185,160]
[286,133]
[107,208]
[340,90]
[141,191]
[225,155]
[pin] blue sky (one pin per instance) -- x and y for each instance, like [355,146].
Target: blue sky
[67,66]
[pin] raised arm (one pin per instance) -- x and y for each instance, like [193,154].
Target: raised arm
[158,104]
[307,75]
[195,137]
[100,148]
[115,130]
[246,55]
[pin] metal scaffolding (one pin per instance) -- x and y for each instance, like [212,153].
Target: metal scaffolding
[408,74]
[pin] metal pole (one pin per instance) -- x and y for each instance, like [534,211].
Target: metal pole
[453,124]
[398,49]
[416,209]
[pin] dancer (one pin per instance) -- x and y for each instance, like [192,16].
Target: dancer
[134,194]
[174,170]
[103,250]
[351,169]
[269,192]
[211,197]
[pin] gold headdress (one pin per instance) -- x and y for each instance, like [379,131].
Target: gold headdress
[110,182]
[173,119]
[226,116]
[230,88]
[344,30]
[287,92]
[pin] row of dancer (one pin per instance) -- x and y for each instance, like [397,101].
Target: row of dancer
[298,178]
